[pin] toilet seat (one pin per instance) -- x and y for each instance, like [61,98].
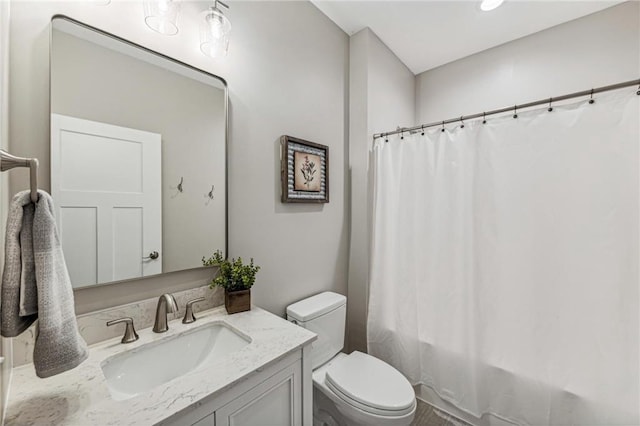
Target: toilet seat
[371,385]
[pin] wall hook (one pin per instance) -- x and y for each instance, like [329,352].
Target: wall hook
[179,189]
[442,127]
[461,122]
[209,195]
[550,107]
[515,111]
[591,100]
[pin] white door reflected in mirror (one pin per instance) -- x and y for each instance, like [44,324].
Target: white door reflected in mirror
[106,183]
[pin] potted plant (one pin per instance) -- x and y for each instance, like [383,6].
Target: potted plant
[236,278]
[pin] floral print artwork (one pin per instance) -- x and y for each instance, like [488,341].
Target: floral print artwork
[307,172]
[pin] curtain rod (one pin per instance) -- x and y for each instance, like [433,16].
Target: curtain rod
[515,108]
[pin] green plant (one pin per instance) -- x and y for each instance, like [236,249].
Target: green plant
[232,275]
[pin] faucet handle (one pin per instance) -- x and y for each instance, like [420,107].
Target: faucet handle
[130,334]
[188,314]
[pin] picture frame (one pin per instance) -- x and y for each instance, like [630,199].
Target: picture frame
[304,171]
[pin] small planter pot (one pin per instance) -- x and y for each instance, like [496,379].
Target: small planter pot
[237,301]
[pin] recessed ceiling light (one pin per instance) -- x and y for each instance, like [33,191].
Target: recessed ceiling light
[488,5]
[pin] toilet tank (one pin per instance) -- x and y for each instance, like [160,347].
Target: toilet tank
[324,314]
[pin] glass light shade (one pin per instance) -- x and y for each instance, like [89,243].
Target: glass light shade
[161,16]
[215,29]
[488,5]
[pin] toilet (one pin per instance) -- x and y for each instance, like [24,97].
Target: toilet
[349,390]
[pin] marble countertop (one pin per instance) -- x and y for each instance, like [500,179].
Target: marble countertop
[80,396]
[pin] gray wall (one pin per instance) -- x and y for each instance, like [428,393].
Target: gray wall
[289,76]
[96,83]
[596,50]
[382,96]
[287,73]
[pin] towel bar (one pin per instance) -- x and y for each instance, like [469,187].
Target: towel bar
[8,161]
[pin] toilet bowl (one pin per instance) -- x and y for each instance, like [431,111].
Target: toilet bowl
[349,389]
[389,399]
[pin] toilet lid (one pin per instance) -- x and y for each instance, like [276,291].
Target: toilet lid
[372,384]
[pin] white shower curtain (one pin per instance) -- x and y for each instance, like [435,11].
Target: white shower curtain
[504,263]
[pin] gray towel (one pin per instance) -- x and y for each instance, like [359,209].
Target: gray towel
[59,346]
[19,277]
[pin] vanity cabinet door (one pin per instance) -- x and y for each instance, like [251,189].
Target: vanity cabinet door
[210,420]
[274,402]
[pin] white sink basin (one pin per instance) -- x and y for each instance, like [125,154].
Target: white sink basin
[141,369]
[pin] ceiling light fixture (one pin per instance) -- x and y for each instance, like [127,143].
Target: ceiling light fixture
[215,29]
[488,5]
[161,16]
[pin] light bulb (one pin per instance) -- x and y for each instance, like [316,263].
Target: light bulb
[215,25]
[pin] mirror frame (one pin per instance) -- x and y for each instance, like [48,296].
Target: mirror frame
[226,131]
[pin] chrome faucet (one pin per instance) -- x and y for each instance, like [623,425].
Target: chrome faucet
[166,304]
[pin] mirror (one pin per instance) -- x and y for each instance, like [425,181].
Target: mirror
[138,157]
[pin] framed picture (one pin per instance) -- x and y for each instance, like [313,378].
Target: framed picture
[304,171]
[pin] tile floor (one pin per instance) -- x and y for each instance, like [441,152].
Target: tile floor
[426,415]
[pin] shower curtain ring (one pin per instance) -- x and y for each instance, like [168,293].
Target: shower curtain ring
[515,111]
[402,135]
[484,117]
[638,92]
[422,129]
[591,100]
[442,127]
[550,107]
[462,122]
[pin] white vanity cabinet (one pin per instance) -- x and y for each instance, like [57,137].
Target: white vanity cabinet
[273,396]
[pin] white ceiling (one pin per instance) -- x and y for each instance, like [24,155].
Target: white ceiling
[427,34]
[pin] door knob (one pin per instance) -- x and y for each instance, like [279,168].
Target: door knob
[152,256]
